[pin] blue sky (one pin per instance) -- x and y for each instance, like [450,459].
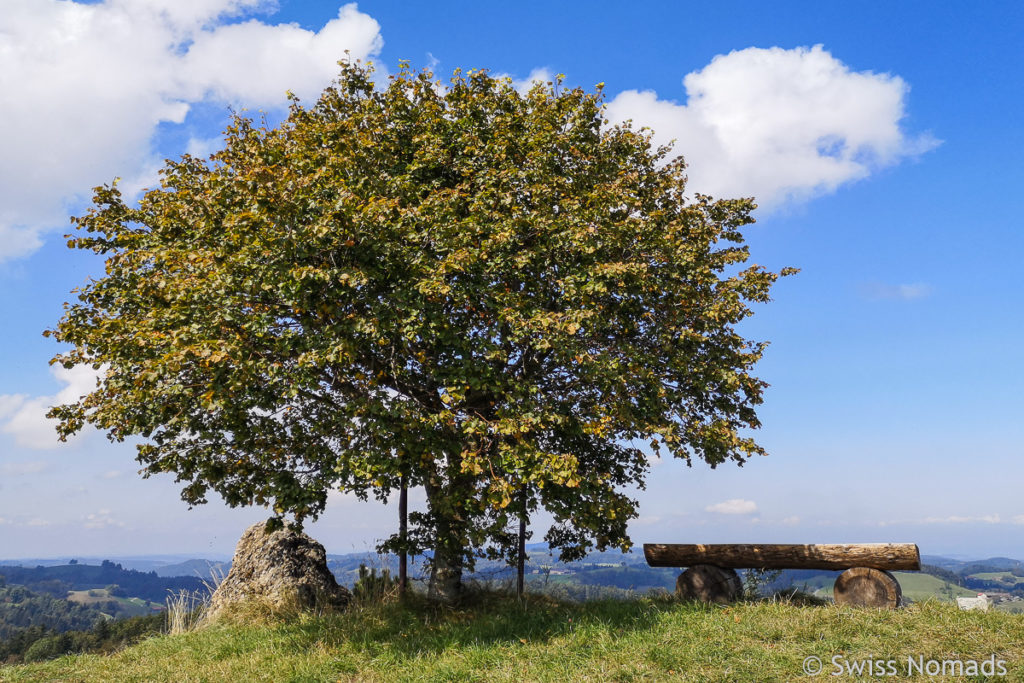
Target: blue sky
[880,139]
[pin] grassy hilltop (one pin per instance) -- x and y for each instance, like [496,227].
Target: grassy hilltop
[496,639]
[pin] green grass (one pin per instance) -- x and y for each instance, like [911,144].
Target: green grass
[499,640]
[919,587]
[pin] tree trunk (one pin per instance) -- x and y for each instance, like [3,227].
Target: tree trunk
[446,573]
[521,560]
[890,556]
[403,533]
[449,549]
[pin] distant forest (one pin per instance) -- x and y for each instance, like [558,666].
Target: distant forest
[38,622]
[57,581]
[34,626]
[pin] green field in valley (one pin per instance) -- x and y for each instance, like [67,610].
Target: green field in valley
[1003,577]
[918,587]
[126,607]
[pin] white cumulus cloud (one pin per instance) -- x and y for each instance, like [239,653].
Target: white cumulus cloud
[25,418]
[538,75]
[254,63]
[83,88]
[733,506]
[779,125]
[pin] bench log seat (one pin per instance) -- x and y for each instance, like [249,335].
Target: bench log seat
[711,577]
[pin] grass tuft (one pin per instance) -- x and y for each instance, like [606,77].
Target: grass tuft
[492,636]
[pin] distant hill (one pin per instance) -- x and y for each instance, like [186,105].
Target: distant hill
[142,563]
[992,563]
[203,569]
[56,581]
[613,569]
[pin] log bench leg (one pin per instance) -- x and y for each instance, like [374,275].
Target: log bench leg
[856,587]
[708,583]
[864,587]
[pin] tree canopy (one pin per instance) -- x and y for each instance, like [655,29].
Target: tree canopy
[494,294]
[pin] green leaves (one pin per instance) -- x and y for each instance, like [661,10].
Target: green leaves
[486,291]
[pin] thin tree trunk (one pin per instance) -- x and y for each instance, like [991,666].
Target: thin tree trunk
[403,530]
[521,560]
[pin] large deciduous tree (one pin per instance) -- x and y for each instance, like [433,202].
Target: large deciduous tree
[496,295]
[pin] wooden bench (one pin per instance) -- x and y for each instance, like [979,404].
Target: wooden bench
[711,569]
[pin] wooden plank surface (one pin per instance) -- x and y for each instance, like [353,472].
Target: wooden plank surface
[887,556]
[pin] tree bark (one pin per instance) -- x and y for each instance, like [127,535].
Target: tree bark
[446,574]
[449,551]
[521,560]
[887,556]
[403,534]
